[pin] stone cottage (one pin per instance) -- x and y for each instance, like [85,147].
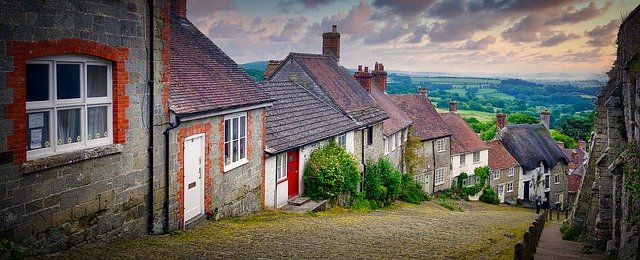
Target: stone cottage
[435,138]
[297,124]
[505,172]
[607,206]
[83,87]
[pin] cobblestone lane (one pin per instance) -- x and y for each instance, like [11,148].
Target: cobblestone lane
[405,231]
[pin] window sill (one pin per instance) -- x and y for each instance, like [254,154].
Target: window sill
[235,165]
[70,157]
[439,183]
[280,181]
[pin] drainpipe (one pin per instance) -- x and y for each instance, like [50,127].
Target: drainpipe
[150,83]
[433,154]
[364,166]
[166,171]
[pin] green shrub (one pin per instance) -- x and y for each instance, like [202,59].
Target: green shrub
[489,196]
[411,190]
[568,232]
[449,204]
[381,182]
[330,171]
[14,250]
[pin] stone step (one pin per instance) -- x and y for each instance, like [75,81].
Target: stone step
[309,206]
[298,201]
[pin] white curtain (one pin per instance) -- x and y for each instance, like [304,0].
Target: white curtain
[69,126]
[96,81]
[97,124]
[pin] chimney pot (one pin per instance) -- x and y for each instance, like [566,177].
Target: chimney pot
[424,92]
[366,69]
[545,118]
[331,43]
[501,121]
[359,67]
[179,8]
[561,145]
[334,28]
[582,145]
[453,106]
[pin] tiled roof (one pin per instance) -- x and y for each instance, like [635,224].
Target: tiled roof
[427,123]
[575,179]
[298,117]
[531,144]
[397,120]
[342,88]
[580,157]
[203,77]
[499,157]
[463,138]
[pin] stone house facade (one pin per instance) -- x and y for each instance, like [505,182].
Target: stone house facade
[505,172]
[607,206]
[77,138]
[435,137]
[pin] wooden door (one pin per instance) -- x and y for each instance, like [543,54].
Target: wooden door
[193,183]
[292,173]
[526,190]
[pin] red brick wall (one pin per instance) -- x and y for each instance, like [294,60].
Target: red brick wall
[183,133]
[22,51]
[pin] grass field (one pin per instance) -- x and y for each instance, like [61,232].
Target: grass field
[481,116]
[454,81]
[485,92]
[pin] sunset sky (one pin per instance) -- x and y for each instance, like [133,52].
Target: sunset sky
[522,38]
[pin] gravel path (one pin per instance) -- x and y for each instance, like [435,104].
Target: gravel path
[404,231]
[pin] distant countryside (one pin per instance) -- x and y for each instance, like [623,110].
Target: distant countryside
[570,103]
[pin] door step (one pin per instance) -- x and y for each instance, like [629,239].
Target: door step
[307,206]
[298,201]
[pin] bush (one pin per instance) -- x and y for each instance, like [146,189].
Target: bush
[411,190]
[568,232]
[330,172]
[489,196]
[382,182]
[11,250]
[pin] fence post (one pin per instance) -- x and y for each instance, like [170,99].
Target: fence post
[566,214]
[533,230]
[519,251]
[557,214]
[527,243]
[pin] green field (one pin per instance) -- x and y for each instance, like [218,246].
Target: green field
[454,81]
[481,116]
[484,92]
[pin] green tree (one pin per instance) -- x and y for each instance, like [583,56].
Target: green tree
[575,126]
[330,172]
[521,118]
[569,142]
[488,134]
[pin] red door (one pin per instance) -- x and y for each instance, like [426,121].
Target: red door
[292,173]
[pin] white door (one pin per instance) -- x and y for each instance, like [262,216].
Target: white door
[501,193]
[193,174]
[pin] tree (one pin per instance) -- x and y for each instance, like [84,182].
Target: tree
[521,118]
[576,127]
[569,142]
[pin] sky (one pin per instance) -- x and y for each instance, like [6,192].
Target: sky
[543,39]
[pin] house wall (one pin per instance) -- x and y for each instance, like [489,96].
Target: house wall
[396,156]
[560,170]
[371,152]
[523,177]
[96,194]
[270,185]
[434,160]
[503,180]
[469,165]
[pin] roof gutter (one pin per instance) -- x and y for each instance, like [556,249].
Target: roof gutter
[222,111]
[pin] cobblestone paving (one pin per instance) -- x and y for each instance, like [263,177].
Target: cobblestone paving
[404,231]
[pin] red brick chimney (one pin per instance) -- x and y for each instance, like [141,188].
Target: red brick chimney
[453,106]
[501,121]
[423,92]
[582,145]
[574,156]
[380,76]
[545,118]
[179,8]
[561,145]
[364,77]
[331,43]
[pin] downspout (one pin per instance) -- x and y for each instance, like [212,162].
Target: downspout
[166,171]
[364,166]
[150,83]
[433,154]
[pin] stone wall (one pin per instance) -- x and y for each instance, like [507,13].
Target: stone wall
[607,205]
[373,151]
[435,160]
[95,194]
[512,196]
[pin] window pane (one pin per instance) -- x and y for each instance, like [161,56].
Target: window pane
[243,121]
[97,122]
[68,80]
[242,145]
[227,154]
[69,126]
[235,129]
[96,81]
[37,82]
[235,150]
[227,130]
[38,130]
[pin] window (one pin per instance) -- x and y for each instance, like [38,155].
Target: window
[546,181]
[439,176]
[500,189]
[560,198]
[556,179]
[546,170]
[476,157]
[440,145]
[342,140]
[386,146]
[470,181]
[510,187]
[393,142]
[512,171]
[399,138]
[496,174]
[463,158]
[406,134]
[281,166]
[235,140]
[69,104]
[370,135]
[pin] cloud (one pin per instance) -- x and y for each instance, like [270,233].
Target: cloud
[447,9]
[481,44]
[226,29]
[355,25]
[517,5]
[586,13]
[594,55]
[198,9]
[558,39]
[292,30]
[529,29]
[603,35]
[403,8]
[287,6]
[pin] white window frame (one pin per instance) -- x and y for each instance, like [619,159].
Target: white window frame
[512,171]
[393,142]
[476,157]
[341,139]
[53,105]
[399,138]
[241,160]
[509,187]
[496,174]
[439,176]
[556,179]
[281,167]
[406,134]
[386,146]
[470,181]
[463,159]
[440,145]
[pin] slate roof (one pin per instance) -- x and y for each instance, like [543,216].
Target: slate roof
[298,117]
[203,77]
[397,120]
[531,144]
[340,86]
[499,157]
[463,138]
[427,123]
[573,164]
[575,179]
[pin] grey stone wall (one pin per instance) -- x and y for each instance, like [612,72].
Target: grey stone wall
[100,198]
[504,179]
[436,160]
[558,188]
[373,151]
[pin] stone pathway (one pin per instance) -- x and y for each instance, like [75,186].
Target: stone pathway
[551,245]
